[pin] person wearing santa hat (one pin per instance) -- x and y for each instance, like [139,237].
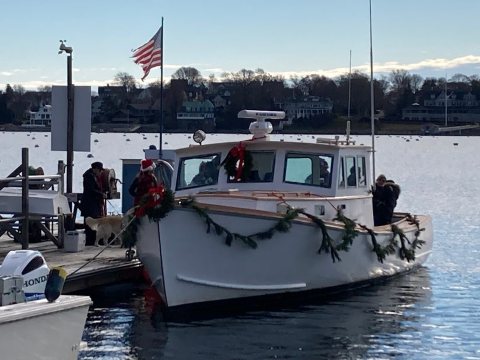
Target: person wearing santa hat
[144,181]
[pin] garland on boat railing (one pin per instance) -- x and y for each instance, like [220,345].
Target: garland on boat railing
[282,225]
[158,202]
[328,243]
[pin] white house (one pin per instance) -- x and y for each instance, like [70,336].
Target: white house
[42,117]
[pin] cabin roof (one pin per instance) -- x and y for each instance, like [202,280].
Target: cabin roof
[326,145]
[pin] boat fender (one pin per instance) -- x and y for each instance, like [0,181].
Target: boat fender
[55,281]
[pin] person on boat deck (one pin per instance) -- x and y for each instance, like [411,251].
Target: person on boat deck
[144,181]
[385,195]
[352,178]
[324,175]
[93,199]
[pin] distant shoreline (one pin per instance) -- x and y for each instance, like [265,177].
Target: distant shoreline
[385,128]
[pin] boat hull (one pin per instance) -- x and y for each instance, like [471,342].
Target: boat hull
[42,330]
[189,266]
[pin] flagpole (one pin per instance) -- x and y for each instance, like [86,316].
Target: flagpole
[161,94]
[372,101]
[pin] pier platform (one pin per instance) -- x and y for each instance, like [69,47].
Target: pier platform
[110,267]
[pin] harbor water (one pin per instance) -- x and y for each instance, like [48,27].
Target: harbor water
[429,314]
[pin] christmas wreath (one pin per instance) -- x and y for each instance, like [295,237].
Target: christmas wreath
[238,163]
[156,204]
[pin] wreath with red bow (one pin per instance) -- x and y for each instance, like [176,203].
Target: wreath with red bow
[238,163]
[156,204]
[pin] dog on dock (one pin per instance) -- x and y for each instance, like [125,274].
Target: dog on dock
[105,227]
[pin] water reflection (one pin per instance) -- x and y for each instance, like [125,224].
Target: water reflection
[370,323]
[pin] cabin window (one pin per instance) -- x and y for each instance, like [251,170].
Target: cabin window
[350,163]
[352,171]
[263,163]
[362,171]
[198,171]
[309,169]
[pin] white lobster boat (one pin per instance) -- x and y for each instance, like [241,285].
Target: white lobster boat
[244,235]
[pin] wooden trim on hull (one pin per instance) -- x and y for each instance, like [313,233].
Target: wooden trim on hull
[275,195]
[237,211]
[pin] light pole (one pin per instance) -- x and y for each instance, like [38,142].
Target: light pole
[70,223]
[69,51]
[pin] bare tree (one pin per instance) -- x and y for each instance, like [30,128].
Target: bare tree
[45,88]
[400,80]
[416,83]
[125,80]
[18,89]
[188,73]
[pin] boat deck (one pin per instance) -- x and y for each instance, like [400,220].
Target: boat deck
[110,267]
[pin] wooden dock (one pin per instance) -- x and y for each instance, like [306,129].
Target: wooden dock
[110,267]
[87,268]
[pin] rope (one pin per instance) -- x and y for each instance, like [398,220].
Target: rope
[106,246]
[113,206]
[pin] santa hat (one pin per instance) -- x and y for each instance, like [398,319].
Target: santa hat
[147,165]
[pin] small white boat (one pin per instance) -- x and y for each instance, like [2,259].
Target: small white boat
[37,329]
[43,330]
[276,227]
[41,202]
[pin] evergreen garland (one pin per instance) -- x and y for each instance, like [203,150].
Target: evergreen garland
[328,243]
[282,225]
[161,209]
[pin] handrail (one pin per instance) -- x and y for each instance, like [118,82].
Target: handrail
[31,177]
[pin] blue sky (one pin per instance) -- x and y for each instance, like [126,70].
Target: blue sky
[284,37]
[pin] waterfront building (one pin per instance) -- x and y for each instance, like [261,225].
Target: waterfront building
[196,114]
[40,118]
[460,107]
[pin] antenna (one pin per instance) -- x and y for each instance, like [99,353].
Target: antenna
[261,128]
[372,100]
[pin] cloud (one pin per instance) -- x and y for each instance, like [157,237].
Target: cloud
[472,61]
[389,66]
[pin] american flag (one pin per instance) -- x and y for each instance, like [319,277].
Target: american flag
[149,55]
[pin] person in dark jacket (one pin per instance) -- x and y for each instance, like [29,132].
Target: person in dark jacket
[144,180]
[93,199]
[385,197]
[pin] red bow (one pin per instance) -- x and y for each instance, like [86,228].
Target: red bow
[154,198]
[238,152]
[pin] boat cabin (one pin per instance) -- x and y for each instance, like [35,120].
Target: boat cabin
[311,175]
[327,168]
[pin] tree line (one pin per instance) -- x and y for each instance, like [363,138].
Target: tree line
[257,89]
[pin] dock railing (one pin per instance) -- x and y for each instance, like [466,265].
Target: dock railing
[20,178]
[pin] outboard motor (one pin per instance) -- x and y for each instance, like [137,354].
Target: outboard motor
[31,265]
